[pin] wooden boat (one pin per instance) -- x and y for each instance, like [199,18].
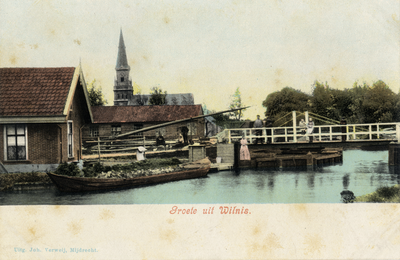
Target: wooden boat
[192,170]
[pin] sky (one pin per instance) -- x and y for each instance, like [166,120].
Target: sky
[209,48]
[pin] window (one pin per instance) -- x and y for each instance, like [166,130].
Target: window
[137,127]
[115,130]
[16,142]
[70,134]
[192,126]
[94,131]
[122,79]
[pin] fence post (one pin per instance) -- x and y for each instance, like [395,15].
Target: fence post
[377,131]
[294,127]
[98,148]
[144,141]
[398,132]
[370,132]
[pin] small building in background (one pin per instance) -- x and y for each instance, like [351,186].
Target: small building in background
[42,111]
[212,129]
[110,121]
[170,99]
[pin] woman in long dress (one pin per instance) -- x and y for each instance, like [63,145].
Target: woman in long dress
[310,129]
[244,150]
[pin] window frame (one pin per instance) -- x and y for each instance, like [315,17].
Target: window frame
[116,132]
[5,138]
[94,131]
[138,127]
[70,137]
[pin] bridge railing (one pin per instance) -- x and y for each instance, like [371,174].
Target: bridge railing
[321,133]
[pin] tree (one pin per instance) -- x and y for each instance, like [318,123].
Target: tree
[360,104]
[279,103]
[380,104]
[157,96]
[237,103]
[322,102]
[357,94]
[96,96]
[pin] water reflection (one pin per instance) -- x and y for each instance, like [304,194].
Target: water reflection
[260,182]
[346,181]
[270,181]
[310,180]
[362,172]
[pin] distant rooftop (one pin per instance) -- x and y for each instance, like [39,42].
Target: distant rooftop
[171,99]
[142,114]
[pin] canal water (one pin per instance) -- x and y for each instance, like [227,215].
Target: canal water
[361,172]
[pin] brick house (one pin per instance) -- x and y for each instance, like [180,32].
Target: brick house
[110,121]
[42,112]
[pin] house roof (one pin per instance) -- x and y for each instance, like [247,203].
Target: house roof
[143,114]
[39,92]
[170,99]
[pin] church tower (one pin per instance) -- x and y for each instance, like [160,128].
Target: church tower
[123,89]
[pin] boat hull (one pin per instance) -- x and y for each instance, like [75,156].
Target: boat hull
[76,184]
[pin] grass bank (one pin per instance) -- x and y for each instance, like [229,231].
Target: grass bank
[7,180]
[382,195]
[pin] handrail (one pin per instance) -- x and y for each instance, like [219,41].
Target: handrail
[321,133]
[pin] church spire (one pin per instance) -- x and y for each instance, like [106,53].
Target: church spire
[123,89]
[122,61]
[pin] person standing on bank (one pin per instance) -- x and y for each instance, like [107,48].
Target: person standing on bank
[310,129]
[258,124]
[244,150]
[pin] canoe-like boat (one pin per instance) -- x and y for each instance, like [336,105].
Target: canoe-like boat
[192,170]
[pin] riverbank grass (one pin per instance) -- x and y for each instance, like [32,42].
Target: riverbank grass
[7,180]
[382,195]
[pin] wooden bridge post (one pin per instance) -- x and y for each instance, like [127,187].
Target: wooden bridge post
[398,132]
[394,154]
[306,119]
[294,127]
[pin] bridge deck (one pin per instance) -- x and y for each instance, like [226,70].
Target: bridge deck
[326,135]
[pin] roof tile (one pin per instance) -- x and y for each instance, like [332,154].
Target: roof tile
[31,91]
[143,114]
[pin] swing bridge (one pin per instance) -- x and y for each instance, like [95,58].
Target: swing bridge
[330,133]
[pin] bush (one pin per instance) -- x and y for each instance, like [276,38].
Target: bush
[375,198]
[8,180]
[69,169]
[387,192]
